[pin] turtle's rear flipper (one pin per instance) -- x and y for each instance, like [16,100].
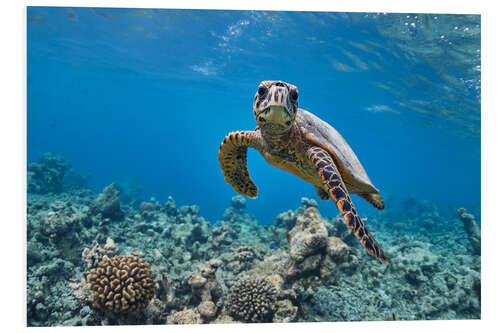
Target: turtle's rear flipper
[233,161]
[336,188]
[374,199]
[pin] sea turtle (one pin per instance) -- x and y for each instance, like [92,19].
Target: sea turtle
[297,141]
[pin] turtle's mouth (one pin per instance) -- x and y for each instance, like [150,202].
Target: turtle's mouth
[275,119]
[275,114]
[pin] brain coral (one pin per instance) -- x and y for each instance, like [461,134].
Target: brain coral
[121,284]
[252,299]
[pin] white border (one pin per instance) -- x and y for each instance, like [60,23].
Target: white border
[13,154]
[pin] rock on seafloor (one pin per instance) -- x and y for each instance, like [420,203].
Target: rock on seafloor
[472,229]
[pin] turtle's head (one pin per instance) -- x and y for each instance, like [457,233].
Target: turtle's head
[275,106]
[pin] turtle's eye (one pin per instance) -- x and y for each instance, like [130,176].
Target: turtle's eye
[294,95]
[262,91]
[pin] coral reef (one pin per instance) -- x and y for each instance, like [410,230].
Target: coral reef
[47,175]
[130,194]
[121,283]
[200,271]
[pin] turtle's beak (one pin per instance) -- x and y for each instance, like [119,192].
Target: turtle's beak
[276,114]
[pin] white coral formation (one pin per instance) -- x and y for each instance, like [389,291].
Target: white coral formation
[206,289]
[337,249]
[91,257]
[309,236]
[312,252]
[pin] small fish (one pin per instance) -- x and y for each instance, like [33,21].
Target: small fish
[273,245]
[126,208]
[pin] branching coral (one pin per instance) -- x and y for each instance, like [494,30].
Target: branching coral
[122,284]
[91,257]
[252,299]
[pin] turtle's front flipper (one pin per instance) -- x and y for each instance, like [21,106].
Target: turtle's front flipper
[322,194]
[337,190]
[233,160]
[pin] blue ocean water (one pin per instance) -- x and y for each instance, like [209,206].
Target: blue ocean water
[147,95]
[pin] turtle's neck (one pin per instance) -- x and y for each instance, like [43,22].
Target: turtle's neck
[280,139]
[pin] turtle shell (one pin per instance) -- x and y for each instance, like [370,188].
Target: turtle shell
[319,133]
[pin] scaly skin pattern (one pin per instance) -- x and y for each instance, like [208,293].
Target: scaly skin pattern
[233,160]
[287,152]
[336,189]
